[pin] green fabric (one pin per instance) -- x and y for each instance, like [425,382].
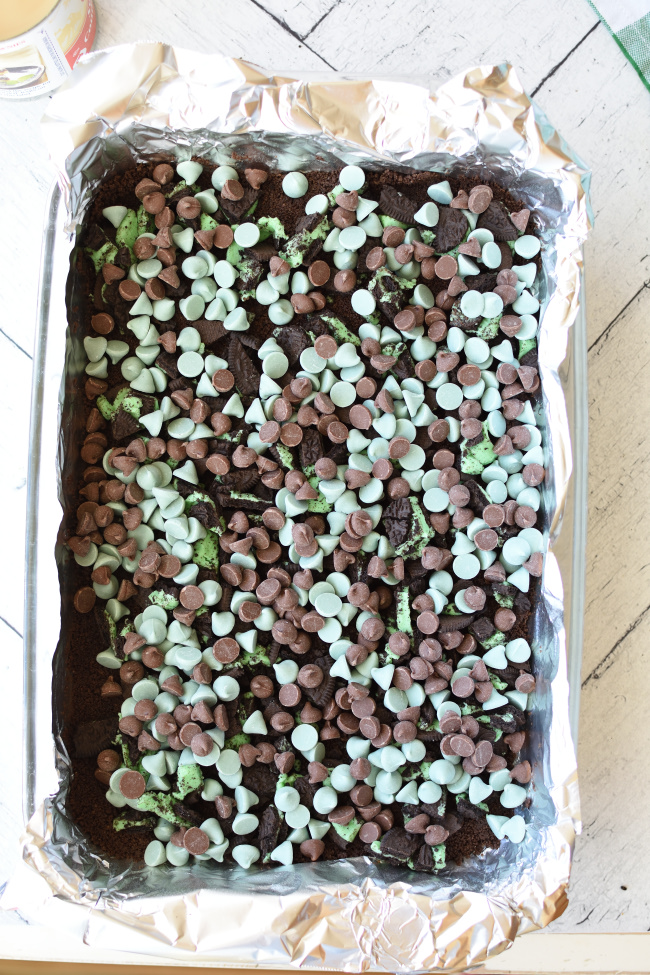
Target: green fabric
[633,40]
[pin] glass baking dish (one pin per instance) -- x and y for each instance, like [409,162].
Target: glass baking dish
[42,603]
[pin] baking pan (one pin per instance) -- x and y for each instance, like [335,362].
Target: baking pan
[344,897]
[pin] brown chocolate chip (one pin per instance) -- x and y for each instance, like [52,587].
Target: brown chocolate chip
[261,687]
[360,768]
[201,744]
[163,173]
[393,236]
[132,785]
[282,722]
[483,691]
[399,643]
[223,380]
[533,474]
[361,795]
[370,832]
[373,628]
[434,835]
[317,772]
[223,236]
[221,717]
[108,760]
[130,725]
[525,683]
[310,676]
[290,695]
[312,849]
[493,515]
[438,431]
[375,258]
[249,611]
[370,727]
[342,218]
[418,824]
[284,762]
[382,363]
[191,597]
[398,448]
[145,710]
[84,599]
[154,202]
[270,554]
[196,841]
[326,347]
[223,806]
[405,320]
[188,208]
[479,199]
[525,517]
[102,323]
[385,819]
[522,773]
[318,273]
[266,751]
[426,370]
[446,268]
[291,434]
[256,177]
[504,619]
[129,290]
[232,190]
[189,731]
[302,304]
[427,622]
[398,487]
[226,650]
[404,731]
[342,815]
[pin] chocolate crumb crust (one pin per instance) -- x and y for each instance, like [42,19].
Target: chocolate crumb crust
[416,636]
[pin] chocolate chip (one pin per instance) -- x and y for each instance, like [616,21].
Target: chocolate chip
[226,650]
[132,785]
[312,849]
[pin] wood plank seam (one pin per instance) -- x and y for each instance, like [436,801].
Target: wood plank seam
[321,19]
[605,332]
[564,60]
[610,657]
[13,342]
[289,30]
[7,623]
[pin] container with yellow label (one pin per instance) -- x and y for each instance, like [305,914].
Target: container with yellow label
[40,43]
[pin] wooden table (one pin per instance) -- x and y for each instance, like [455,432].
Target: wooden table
[576,72]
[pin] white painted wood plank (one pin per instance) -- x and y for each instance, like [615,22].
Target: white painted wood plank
[24,161]
[600,954]
[609,888]
[241,29]
[14,410]
[598,103]
[11,793]
[439,39]
[618,575]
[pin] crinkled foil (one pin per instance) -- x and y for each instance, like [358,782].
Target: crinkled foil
[354,915]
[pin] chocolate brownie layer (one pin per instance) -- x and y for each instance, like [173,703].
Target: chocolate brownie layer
[303,516]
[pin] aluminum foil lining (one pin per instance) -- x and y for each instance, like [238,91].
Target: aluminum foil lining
[140,101]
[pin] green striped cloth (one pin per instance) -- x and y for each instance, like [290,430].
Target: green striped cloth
[628,21]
